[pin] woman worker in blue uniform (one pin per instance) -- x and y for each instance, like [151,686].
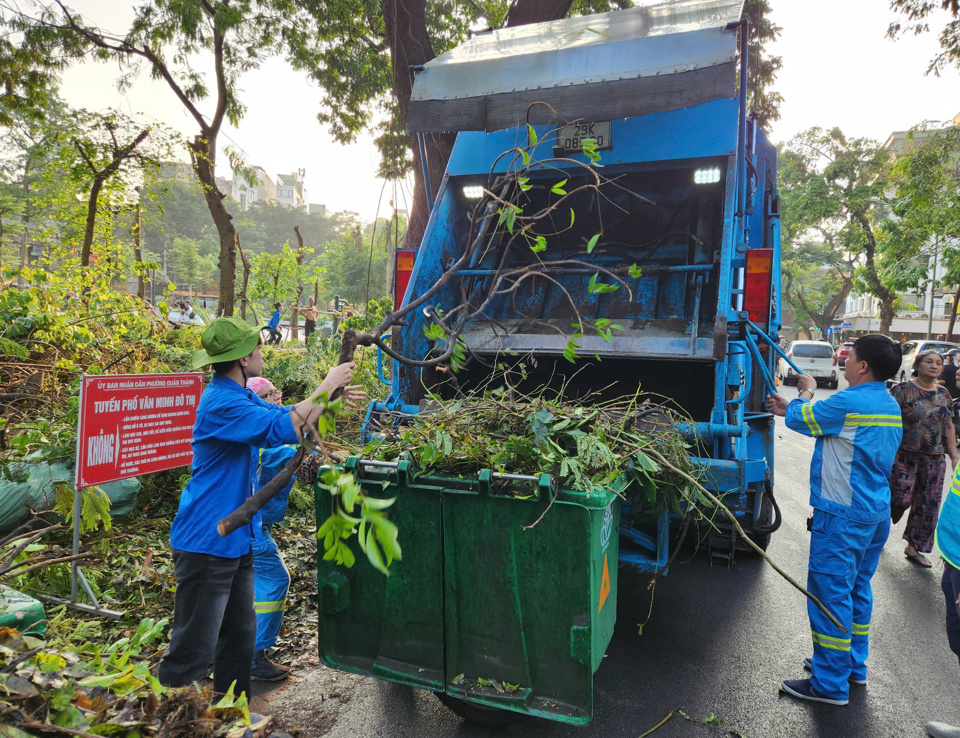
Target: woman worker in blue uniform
[271,577]
[858,432]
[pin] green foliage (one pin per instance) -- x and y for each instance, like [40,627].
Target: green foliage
[918,14]
[584,447]
[830,188]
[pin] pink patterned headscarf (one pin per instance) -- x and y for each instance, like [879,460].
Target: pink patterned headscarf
[255,384]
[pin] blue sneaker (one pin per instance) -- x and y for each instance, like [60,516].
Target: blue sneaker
[808,665]
[803,689]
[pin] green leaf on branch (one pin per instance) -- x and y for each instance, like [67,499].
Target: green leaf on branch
[599,288]
[591,244]
[557,189]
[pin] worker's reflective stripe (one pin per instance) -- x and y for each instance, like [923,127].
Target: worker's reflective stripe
[807,412]
[883,421]
[861,629]
[955,486]
[841,644]
[268,606]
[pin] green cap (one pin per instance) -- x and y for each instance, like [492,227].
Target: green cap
[225,339]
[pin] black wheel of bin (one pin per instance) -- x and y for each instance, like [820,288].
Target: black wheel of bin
[769,520]
[474,713]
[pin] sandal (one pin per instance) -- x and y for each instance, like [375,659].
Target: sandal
[919,559]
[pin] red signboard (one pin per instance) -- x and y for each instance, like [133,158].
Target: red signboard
[133,424]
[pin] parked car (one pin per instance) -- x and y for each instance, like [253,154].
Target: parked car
[912,348]
[815,358]
[843,352]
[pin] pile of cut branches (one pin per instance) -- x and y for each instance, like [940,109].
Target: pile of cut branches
[583,446]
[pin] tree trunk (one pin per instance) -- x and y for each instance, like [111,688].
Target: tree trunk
[953,315]
[245,262]
[203,150]
[886,311]
[295,308]
[25,216]
[406,34]
[138,256]
[91,221]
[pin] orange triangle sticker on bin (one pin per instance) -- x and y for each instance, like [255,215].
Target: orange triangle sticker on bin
[604,583]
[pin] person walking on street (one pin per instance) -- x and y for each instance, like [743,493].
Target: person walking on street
[213,620]
[858,432]
[309,319]
[947,542]
[271,578]
[918,472]
[274,326]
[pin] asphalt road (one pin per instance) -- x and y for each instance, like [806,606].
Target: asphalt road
[719,641]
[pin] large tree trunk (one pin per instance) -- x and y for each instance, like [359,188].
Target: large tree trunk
[91,222]
[406,34]
[953,315]
[886,311]
[203,151]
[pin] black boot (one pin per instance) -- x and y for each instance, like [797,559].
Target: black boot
[264,670]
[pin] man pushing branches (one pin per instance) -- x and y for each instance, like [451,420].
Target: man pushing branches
[214,619]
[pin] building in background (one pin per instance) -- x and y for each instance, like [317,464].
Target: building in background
[290,190]
[263,190]
[316,208]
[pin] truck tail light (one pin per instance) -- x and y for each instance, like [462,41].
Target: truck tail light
[756,288]
[403,268]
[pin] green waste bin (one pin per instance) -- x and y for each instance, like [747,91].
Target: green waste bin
[21,612]
[482,607]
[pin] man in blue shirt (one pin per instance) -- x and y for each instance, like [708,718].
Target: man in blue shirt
[214,620]
[274,325]
[858,432]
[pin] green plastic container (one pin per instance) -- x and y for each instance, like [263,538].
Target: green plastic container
[480,607]
[21,612]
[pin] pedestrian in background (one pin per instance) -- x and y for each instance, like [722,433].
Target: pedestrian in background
[858,433]
[918,472]
[947,541]
[309,319]
[271,578]
[274,326]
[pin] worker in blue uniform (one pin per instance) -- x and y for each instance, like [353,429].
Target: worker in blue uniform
[947,542]
[214,620]
[271,576]
[274,326]
[858,432]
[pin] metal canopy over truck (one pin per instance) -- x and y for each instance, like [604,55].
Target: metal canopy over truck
[688,197]
[611,65]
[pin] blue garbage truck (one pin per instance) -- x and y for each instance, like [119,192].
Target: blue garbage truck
[685,219]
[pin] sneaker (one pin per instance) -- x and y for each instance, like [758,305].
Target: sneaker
[942,730]
[264,670]
[808,665]
[803,689]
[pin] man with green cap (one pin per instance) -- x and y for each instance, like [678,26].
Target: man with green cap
[214,620]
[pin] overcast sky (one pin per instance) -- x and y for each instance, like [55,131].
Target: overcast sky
[839,69]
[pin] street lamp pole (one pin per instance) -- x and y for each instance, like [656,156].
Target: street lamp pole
[933,279]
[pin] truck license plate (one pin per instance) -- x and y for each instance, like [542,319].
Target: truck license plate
[570,138]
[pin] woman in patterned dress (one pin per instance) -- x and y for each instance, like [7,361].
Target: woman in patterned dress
[916,483]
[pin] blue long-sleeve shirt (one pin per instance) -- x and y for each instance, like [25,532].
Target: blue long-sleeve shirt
[858,432]
[231,422]
[947,536]
[274,319]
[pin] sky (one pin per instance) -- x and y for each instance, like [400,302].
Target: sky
[839,69]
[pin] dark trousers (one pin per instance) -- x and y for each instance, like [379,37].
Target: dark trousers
[951,590]
[309,326]
[213,622]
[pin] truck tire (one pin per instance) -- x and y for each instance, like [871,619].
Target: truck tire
[769,520]
[474,713]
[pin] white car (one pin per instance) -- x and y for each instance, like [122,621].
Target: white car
[910,350]
[815,358]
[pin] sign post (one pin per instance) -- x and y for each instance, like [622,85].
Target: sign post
[129,425]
